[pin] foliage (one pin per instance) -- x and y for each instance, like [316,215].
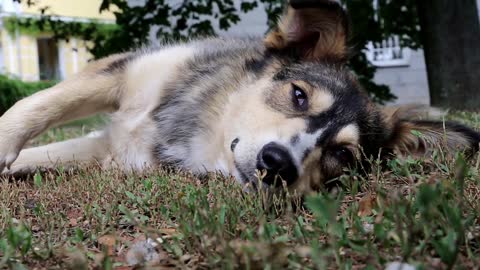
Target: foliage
[372,23]
[96,33]
[65,30]
[13,90]
[177,20]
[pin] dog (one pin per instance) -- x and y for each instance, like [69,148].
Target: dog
[284,106]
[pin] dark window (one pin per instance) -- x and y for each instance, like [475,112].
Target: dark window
[48,59]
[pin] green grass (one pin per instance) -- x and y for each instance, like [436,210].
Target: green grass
[12,90]
[74,129]
[423,212]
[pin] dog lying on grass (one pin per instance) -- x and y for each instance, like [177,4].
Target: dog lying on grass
[285,105]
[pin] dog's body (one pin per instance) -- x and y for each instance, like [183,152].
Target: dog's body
[284,104]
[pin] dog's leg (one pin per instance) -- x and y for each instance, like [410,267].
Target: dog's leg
[67,153]
[96,89]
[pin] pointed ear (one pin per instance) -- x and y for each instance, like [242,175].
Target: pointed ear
[420,137]
[313,29]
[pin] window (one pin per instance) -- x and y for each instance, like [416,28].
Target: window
[48,59]
[388,53]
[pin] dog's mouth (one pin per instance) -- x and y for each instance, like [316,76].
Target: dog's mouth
[267,181]
[243,176]
[273,161]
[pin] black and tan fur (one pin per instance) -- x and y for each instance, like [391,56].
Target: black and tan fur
[285,105]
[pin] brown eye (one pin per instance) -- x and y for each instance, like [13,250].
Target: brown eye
[300,99]
[343,155]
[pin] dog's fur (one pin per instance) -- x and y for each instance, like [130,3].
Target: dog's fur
[285,104]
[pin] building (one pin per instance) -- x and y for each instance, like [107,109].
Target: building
[35,55]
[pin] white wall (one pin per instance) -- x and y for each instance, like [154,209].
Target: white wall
[408,83]
[253,23]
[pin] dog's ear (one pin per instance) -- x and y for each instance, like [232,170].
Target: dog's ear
[421,137]
[312,29]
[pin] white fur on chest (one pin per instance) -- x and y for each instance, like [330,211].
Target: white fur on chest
[132,131]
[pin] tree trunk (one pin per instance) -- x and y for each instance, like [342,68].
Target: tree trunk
[451,41]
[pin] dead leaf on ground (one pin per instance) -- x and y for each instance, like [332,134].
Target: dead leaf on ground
[253,254]
[73,258]
[366,205]
[74,216]
[168,231]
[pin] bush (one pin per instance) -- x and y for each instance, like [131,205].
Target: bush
[12,90]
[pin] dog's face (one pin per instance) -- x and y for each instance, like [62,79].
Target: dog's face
[301,124]
[304,121]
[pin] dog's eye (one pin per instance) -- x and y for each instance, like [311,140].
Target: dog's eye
[343,155]
[300,99]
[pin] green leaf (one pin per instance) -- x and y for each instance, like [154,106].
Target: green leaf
[426,197]
[131,196]
[221,218]
[324,207]
[416,133]
[37,180]
[19,266]
[79,235]
[446,247]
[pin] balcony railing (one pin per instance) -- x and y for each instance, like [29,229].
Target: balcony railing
[388,53]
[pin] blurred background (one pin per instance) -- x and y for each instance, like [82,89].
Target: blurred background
[404,51]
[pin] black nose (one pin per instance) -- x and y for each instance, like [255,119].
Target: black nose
[276,161]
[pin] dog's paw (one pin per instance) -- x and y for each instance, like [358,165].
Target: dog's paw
[9,150]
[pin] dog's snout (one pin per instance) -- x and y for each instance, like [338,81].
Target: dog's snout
[274,157]
[276,161]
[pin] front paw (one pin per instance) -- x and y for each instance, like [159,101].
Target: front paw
[9,150]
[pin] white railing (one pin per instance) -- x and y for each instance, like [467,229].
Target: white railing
[388,53]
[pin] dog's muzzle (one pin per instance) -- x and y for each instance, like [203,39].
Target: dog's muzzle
[277,162]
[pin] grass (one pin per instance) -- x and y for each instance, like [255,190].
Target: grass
[422,212]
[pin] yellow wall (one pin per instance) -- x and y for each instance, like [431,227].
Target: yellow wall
[28,61]
[73,56]
[70,8]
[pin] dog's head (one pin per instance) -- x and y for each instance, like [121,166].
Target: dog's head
[307,118]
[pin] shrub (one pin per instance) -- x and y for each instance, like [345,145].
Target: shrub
[12,90]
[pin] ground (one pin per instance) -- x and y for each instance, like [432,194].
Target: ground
[422,212]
